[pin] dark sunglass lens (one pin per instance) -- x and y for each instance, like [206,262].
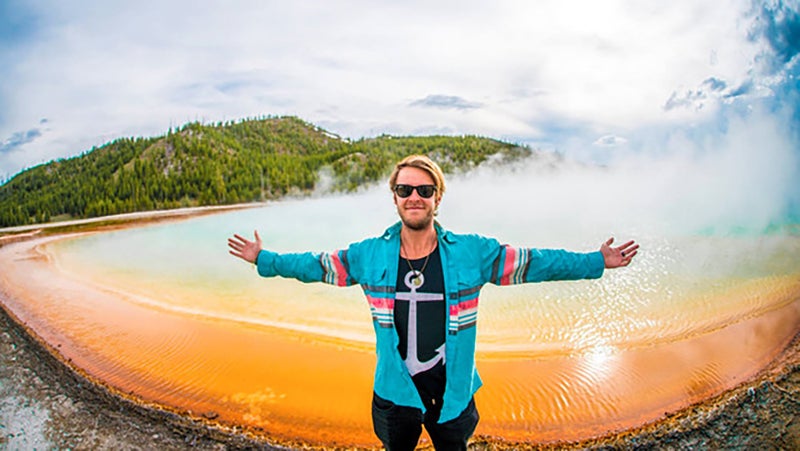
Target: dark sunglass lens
[425,191]
[403,190]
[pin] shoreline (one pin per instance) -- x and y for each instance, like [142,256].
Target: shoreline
[764,411]
[122,219]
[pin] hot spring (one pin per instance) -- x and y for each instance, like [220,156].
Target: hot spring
[164,314]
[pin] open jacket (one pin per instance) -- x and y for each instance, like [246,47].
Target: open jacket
[468,262]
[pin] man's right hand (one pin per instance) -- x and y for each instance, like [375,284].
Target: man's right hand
[243,248]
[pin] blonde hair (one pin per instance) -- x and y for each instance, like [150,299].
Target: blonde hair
[424,163]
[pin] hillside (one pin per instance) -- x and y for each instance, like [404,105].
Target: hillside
[220,164]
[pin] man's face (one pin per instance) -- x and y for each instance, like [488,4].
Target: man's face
[416,212]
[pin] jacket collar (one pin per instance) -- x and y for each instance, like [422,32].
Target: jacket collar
[441,232]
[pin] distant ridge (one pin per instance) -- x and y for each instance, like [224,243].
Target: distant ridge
[221,164]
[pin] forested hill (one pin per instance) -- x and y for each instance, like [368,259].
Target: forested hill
[223,163]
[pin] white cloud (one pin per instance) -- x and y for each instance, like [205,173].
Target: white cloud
[610,141]
[107,69]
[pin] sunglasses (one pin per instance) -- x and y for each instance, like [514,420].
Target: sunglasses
[424,191]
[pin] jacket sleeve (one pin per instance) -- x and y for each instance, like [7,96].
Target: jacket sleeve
[332,268]
[511,265]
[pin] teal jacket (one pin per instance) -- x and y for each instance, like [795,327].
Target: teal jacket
[468,262]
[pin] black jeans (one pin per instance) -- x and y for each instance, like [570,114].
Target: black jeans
[399,427]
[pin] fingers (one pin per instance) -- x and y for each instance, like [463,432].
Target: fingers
[628,251]
[628,247]
[244,240]
[241,247]
[237,241]
[237,246]
[620,255]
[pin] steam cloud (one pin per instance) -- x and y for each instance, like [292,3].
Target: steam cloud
[741,181]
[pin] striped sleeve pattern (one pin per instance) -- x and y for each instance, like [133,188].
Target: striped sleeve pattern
[510,266]
[464,313]
[381,304]
[335,268]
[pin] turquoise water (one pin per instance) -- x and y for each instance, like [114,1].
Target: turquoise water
[686,279]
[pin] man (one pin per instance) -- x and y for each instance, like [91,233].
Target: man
[422,284]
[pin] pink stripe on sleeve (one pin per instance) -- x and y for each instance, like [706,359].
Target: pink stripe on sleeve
[508,266]
[381,303]
[341,273]
[468,304]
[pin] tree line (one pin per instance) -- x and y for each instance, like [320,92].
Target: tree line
[218,164]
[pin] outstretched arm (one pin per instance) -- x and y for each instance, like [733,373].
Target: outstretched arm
[615,257]
[326,267]
[243,248]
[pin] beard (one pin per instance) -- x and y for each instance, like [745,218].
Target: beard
[420,223]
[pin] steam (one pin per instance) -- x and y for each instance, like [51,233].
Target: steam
[740,181]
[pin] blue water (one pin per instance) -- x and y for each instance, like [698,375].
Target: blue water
[687,275]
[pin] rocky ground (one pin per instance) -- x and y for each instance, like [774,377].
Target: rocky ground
[46,405]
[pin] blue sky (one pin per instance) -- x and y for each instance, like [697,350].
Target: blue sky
[593,79]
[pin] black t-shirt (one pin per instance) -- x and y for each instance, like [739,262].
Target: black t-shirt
[423,292]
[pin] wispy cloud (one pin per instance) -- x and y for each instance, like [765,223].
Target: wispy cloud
[446,102]
[610,141]
[780,24]
[715,84]
[779,27]
[17,139]
[689,99]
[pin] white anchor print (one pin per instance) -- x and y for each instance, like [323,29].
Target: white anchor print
[413,280]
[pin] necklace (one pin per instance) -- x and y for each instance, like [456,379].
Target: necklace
[416,277]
